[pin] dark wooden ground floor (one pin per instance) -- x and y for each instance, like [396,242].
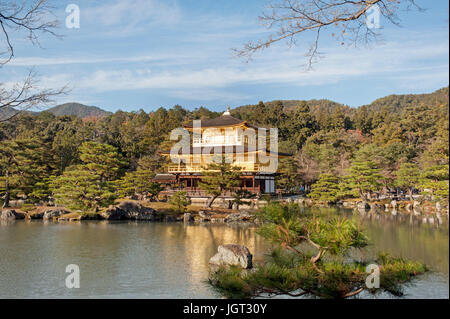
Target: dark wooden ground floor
[257,184]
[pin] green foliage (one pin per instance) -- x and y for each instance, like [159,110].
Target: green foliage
[102,159]
[219,178]
[325,138]
[81,189]
[326,189]
[137,183]
[180,201]
[363,174]
[291,269]
[408,177]
[89,186]
[25,165]
[435,179]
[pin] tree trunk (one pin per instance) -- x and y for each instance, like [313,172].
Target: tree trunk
[211,201]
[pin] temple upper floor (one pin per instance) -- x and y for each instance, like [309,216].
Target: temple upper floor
[225,130]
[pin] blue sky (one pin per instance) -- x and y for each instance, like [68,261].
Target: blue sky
[149,53]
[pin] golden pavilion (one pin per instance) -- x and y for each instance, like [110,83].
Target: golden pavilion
[252,149]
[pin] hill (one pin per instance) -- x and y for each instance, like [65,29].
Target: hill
[78,110]
[393,103]
[75,109]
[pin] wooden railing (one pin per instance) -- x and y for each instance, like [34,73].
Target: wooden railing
[198,192]
[245,167]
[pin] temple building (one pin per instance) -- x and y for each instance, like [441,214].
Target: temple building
[252,149]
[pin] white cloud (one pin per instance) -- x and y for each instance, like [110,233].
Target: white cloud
[275,68]
[130,13]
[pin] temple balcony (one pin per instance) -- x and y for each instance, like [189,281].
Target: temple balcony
[246,167]
[217,140]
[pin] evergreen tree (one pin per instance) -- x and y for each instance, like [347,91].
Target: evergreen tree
[364,175]
[180,201]
[102,160]
[88,186]
[25,165]
[137,183]
[435,179]
[408,176]
[81,189]
[291,268]
[301,125]
[219,178]
[326,189]
[288,178]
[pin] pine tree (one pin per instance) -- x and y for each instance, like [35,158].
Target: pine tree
[364,177]
[88,186]
[137,183]
[179,201]
[81,189]
[408,176]
[435,179]
[26,165]
[219,178]
[326,189]
[297,265]
[287,169]
[102,159]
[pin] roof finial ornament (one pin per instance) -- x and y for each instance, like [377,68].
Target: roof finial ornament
[228,111]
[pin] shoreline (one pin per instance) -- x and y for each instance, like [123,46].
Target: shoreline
[133,210]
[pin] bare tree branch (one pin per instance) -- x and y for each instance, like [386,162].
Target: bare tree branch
[345,20]
[24,96]
[33,17]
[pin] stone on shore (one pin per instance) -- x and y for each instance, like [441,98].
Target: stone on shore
[129,210]
[238,217]
[11,214]
[54,212]
[232,255]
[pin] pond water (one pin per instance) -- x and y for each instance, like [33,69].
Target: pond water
[170,260]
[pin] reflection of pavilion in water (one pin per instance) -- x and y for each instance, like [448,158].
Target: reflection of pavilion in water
[198,243]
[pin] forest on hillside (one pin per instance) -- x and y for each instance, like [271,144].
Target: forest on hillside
[397,142]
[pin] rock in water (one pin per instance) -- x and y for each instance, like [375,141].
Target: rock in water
[232,255]
[54,212]
[11,214]
[129,210]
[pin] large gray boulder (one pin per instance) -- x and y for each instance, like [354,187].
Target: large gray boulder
[235,217]
[129,210]
[11,214]
[54,212]
[232,255]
